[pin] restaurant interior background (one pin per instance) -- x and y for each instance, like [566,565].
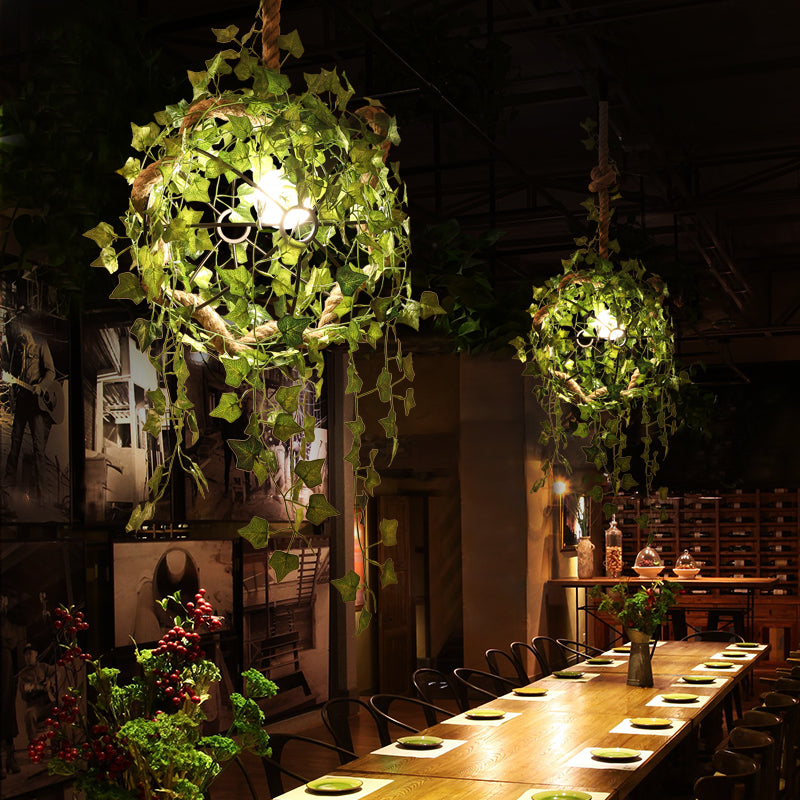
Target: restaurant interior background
[489,99]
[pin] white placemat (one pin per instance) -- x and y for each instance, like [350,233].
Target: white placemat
[584,760]
[703,668]
[368,785]
[587,676]
[463,719]
[686,685]
[394,749]
[658,700]
[526,795]
[626,727]
[538,699]
[723,656]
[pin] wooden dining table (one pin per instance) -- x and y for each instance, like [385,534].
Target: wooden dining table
[545,742]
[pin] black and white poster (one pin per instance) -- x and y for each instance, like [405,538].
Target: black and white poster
[34,391]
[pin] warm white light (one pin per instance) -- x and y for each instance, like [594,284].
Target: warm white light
[559,487]
[276,203]
[606,326]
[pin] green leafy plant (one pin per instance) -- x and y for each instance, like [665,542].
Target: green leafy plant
[642,610]
[264,227]
[601,349]
[143,739]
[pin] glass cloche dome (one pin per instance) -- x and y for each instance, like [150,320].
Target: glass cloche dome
[648,563]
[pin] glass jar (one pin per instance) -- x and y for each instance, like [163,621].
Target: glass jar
[613,549]
[685,561]
[648,563]
[585,550]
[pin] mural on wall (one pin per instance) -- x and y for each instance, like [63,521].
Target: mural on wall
[34,389]
[232,493]
[120,455]
[146,572]
[286,625]
[35,578]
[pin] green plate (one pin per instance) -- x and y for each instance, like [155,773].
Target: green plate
[334,785]
[680,698]
[734,654]
[600,661]
[651,722]
[698,679]
[561,794]
[745,644]
[530,691]
[485,713]
[718,664]
[615,754]
[566,673]
[420,742]
[622,649]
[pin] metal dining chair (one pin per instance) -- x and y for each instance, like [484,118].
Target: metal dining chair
[787,708]
[521,652]
[506,666]
[385,706]
[552,656]
[341,714]
[580,649]
[481,686]
[762,748]
[713,636]
[290,752]
[735,778]
[437,688]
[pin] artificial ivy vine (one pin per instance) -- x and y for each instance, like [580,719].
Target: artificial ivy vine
[263,227]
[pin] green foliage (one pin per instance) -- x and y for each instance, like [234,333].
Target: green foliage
[643,610]
[263,227]
[601,350]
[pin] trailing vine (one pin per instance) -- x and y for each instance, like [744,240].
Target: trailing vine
[263,227]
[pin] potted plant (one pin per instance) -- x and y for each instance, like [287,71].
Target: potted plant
[640,613]
[143,740]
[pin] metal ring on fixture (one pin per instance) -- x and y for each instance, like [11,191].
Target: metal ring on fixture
[225,238]
[584,338]
[299,239]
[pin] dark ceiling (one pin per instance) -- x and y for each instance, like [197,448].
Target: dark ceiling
[490,97]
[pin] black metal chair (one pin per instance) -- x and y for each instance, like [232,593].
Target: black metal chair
[505,665]
[339,714]
[383,703]
[435,687]
[580,649]
[552,656]
[713,636]
[521,652]
[290,751]
[762,748]
[787,708]
[481,686]
[736,777]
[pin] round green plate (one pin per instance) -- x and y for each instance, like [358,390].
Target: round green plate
[600,661]
[530,691]
[698,679]
[651,722]
[566,673]
[625,648]
[615,754]
[420,742]
[561,794]
[745,644]
[734,654]
[485,713]
[334,785]
[680,698]
[718,664]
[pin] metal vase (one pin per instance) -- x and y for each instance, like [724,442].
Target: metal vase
[640,672]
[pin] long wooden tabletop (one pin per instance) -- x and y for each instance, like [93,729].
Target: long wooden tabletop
[545,742]
[694,583]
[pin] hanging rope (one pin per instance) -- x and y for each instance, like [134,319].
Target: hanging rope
[603,177]
[270,30]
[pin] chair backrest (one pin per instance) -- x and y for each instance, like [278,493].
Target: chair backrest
[521,652]
[385,707]
[341,714]
[713,636]
[736,778]
[481,686]
[291,752]
[787,708]
[760,720]
[579,648]
[552,655]
[505,665]
[761,747]
[787,686]
[435,687]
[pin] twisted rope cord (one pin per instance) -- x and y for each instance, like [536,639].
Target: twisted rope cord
[603,177]
[270,30]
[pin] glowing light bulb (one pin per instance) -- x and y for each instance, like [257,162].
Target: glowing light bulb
[606,326]
[276,203]
[559,487]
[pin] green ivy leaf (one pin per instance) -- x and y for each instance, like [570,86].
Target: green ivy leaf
[152,424]
[388,575]
[354,381]
[310,472]
[429,305]
[350,280]
[256,532]
[102,235]
[225,35]
[319,509]
[364,618]
[144,136]
[292,328]
[283,563]
[347,586]
[408,401]
[288,398]
[388,529]
[227,408]
[285,426]
[246,451]
[290,42]
[129,287]
[146,332]
[384,384]
[389,424]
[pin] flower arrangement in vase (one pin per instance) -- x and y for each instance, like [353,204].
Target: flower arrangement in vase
[143,740]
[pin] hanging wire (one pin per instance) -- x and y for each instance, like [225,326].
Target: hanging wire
[603,177]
